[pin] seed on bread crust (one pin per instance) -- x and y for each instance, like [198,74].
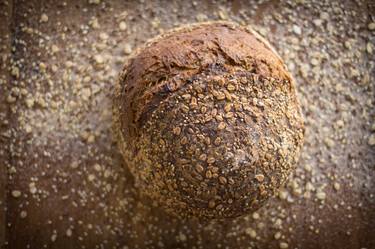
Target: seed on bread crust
[200,111]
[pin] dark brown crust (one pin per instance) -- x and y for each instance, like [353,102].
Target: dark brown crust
[183,52]
[201,63]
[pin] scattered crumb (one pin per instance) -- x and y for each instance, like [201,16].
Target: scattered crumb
[283,245]
[122,26]
[16,193]
[43,18]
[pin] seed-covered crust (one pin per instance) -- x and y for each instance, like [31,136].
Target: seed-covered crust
[208,120]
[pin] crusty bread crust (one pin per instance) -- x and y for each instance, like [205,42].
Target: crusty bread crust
[208,120]
[183,52]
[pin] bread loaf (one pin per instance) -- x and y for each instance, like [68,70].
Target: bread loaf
[208,120]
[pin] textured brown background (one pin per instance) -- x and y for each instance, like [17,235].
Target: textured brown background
[51,149]
[5,35]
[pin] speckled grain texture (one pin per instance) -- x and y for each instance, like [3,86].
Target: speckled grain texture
[66,187]
[208,120]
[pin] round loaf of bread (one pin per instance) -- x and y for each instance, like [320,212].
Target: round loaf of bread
[208,120]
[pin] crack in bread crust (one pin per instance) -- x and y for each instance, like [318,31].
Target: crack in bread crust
[211,126]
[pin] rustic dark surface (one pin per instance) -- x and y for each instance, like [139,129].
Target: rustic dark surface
[66,187]
[5,49]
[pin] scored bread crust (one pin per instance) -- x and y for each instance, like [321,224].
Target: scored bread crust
[199,60]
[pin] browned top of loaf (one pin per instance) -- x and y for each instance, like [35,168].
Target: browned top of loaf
[188,51]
